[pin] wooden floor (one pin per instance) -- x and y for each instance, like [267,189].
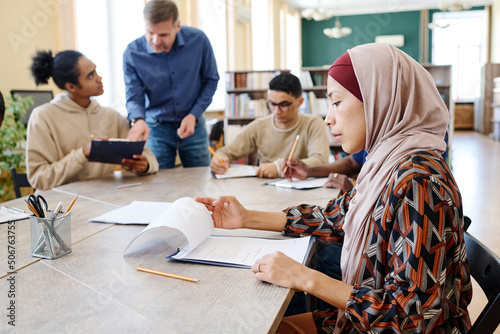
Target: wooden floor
[475,160]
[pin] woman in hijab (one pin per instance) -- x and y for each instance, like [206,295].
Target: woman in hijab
[401,228]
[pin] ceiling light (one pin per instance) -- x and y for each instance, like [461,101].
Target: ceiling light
[338,31]
[320,14]
[455,5]
[434,25]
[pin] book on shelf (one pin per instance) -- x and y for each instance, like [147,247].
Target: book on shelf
[242,105]
[337,153]
[250,79]
[317,106]
[306,79]
[317,79]
[314,105]
[185,231]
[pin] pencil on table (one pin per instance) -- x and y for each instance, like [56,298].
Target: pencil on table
[215,155]
[291,153]
[71,204]
[162,273]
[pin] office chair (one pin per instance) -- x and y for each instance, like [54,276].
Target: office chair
[20,180]
[39,97]
[485,269]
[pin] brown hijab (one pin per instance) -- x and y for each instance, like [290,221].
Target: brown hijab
[404,114]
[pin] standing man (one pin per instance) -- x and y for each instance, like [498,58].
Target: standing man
[170,78]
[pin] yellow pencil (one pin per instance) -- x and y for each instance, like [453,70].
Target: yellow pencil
[162,273]
[291,153]
[71,204]
[215,155]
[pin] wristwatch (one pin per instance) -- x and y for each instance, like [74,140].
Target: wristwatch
[133,120]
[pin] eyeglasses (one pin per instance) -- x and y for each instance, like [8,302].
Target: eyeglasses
[284,106]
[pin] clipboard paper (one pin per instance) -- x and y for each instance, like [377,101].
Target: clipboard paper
[114,150]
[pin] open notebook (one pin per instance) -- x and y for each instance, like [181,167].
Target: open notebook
[185,231]
[309,183]
[235,171]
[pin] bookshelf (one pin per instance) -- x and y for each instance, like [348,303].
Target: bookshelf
[495,120]
[442,80]
[246,93]
[483,112]
[313,80]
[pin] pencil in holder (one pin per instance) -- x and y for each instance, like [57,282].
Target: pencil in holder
[50,237]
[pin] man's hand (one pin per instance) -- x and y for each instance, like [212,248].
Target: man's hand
[187,126]
[268,170]
[217,167]
[140,128]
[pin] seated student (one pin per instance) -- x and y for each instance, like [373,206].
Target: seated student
[404,265]
[273,136]
[59,132]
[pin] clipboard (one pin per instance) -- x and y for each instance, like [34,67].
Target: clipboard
[112,151]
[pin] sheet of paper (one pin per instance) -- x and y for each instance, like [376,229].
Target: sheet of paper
[183,217]
[244,251]
[309,183]
[235,171]
[137,212]
[9,214]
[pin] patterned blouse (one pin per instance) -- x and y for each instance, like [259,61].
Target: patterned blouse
[413,276]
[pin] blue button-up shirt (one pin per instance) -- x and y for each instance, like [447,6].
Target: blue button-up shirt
[169,86]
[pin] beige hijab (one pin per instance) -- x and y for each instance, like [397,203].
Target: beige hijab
[404,113]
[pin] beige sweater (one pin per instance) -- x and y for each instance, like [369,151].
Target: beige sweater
[57,132]
[274,145]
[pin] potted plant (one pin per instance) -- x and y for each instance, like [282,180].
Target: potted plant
[12,142]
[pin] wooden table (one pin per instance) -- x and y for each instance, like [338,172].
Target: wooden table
[96,289]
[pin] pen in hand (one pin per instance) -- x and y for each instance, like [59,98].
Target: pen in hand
[215,155]
[291,153]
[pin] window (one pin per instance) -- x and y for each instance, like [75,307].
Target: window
[212,20]
[262,50]
[455,41]
[104,29]
[292,42]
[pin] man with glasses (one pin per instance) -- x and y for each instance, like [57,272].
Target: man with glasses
[273,136]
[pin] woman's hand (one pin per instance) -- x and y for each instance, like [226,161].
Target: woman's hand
[227,212]
[279,269]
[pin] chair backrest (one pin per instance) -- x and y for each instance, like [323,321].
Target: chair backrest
[20,180]
[485,269]
[39,97]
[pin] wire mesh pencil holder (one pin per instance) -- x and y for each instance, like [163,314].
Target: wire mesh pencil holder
[50,237]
